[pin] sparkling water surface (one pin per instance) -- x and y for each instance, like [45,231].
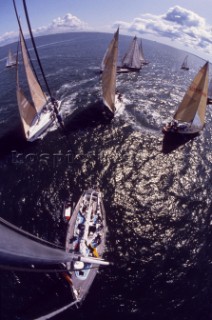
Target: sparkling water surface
[157,192]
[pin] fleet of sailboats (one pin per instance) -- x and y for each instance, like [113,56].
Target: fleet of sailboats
[86,233]
[184,65]
[11,59]
[190,115]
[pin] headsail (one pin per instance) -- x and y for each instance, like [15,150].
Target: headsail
[38,96]
[109,73]
[195,100]
[132,58]
[210,89]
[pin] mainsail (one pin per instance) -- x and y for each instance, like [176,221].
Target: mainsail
[38,97]
[132,58]
[195,99]
[11,59]
[109,73]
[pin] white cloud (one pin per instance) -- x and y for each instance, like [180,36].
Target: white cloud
[178,23]
[68,23]
[8,37]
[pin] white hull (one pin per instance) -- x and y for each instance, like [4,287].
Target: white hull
[40,123]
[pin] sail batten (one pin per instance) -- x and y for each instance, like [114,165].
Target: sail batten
[38,97]
[109,73]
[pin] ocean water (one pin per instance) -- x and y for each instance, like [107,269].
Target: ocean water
[157,192]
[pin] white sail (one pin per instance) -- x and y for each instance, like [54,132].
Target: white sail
[132,58]
[11,59]
[185,64]
[195,99]
[109,73]
[38,97]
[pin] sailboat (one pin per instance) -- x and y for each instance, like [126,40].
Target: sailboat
[44,110]
[23,251]
[185,64]
[86,235]
[39,115]
[132,60]
[143,60]
[11,60]
[109,70]
[190,115]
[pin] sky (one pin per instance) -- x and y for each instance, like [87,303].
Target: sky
[184,24]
